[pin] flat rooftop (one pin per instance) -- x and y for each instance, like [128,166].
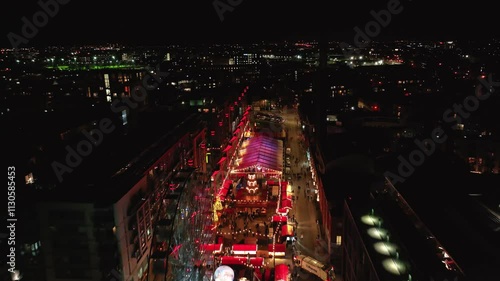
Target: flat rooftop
[119,162]
[387,252]
[459,209]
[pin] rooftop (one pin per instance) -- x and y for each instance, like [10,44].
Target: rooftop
[458,208]
[118,163]
[396,244]
[386,252]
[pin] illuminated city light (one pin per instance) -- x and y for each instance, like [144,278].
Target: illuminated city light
[378,233]
[385,248]
[371,220]
[394,266]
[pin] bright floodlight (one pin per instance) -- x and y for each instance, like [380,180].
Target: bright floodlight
[370,220]
[385,248]
[377,233]
[16,276]
[394,266]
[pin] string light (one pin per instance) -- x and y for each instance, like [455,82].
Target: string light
[251,176]
[243,231]
[246,201]
[265,170]
[215,216]
[232,157]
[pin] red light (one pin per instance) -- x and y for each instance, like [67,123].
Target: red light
[212,133]
[220,124]
[235,103]
[231,108]
[227,115]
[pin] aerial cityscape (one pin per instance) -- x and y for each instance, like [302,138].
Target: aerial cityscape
[350,149]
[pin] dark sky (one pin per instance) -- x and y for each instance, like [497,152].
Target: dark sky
[145,22]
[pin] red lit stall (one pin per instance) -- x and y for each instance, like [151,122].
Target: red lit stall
[286,204]
[224,190]
[214,248]
[257,261]
[281,273]
[230,260]
[287,231]
[277,250]
[245,249]
[228,147]
[278,218]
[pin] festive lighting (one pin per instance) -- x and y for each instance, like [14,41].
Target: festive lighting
[247,264]
[252,184]
[244,231]
[246,201]
[215,216]
[251,190]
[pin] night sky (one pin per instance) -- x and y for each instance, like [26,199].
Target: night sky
[147,23]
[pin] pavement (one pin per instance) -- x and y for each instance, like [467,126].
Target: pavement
[305,207]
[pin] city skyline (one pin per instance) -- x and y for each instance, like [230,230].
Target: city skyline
[146,23]
[250,140]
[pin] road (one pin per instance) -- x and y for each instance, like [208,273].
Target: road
[305,207]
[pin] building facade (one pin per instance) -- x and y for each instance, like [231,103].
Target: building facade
[109,237]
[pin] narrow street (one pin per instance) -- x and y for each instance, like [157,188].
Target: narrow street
[305,208]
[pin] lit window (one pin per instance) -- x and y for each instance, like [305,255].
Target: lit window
[29,178]
[338,240]
[106,80]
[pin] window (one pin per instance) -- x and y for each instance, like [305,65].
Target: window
[338,240]
[29,178]
[106,81]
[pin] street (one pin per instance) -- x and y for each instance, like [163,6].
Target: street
[305,208]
